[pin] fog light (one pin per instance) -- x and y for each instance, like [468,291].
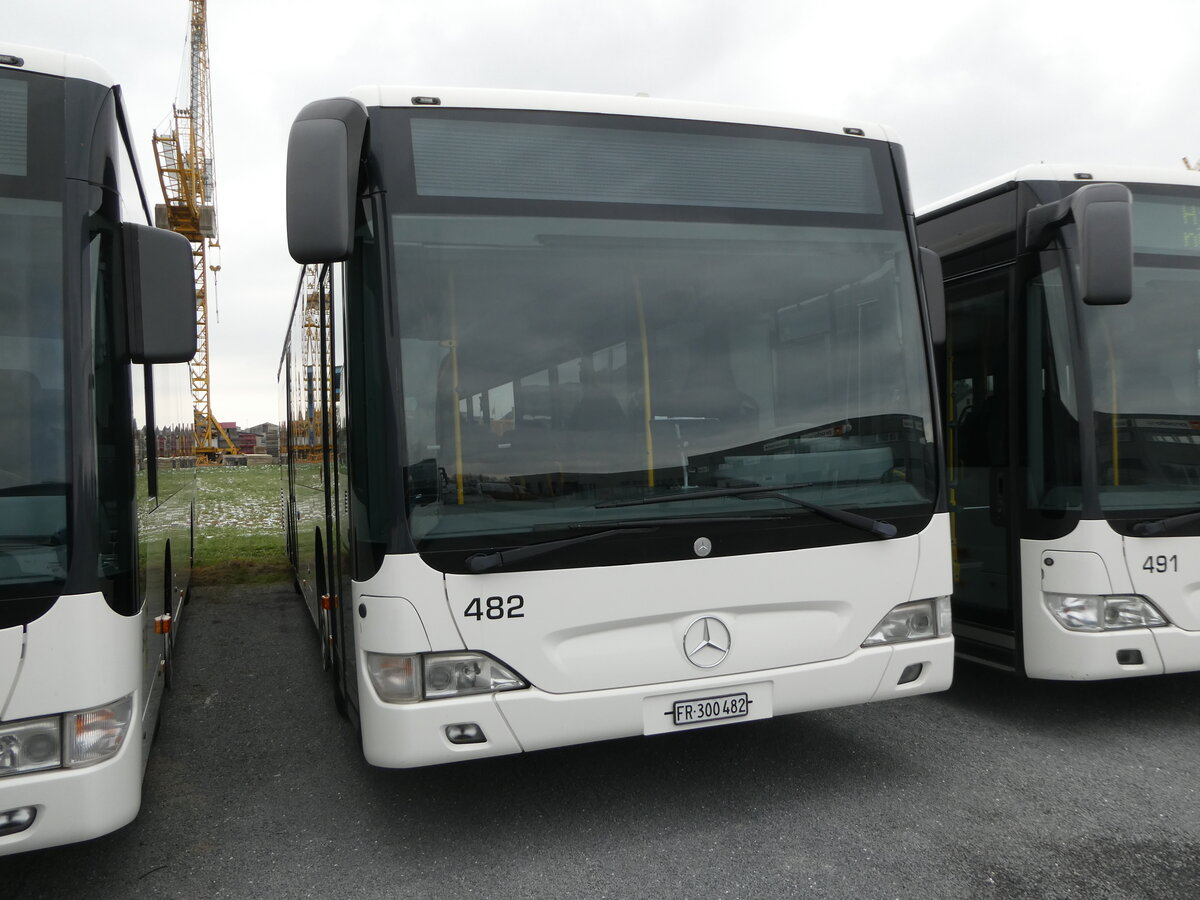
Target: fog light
[911,673]
[1130,658]
[467,733]
[17,820]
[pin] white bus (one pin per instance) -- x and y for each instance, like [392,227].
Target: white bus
[1072,403]
[96,486]
[610,416]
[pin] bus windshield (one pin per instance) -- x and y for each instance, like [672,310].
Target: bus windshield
[33,501]
[1145,364]
[556,364]
[591,362]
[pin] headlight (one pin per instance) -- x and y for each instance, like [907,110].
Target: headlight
[71,741]
[915,621]
[1103,612]
[30,746]
[407,678]
[455,674]
[95,735]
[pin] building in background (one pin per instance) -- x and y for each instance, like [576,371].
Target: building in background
[266,438]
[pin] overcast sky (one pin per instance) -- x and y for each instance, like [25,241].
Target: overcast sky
[972,90]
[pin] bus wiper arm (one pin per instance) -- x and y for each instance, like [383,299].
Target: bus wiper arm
[865,523]
[704,495]
[36,489]
[484,562]
[1152,527]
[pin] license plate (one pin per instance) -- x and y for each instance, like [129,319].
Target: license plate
[711,709]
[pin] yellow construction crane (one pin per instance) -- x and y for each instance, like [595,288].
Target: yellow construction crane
[185,171]
[308,429]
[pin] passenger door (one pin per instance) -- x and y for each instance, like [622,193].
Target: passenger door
[980,359]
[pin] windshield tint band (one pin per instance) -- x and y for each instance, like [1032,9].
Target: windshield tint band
[589,164]
[448,161]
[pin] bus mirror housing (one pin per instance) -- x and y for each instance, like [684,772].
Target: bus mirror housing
[935,295]
[324,149]
[1103,217]
[160,293]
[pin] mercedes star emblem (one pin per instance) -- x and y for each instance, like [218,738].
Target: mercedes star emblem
[706,642]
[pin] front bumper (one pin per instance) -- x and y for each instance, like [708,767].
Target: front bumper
[409,735]
[1053,652]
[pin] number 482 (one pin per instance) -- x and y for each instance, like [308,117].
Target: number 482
[1160,564]
[495,608]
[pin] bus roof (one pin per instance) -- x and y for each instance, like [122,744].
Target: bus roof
[605,104]
[1063,172]
[53,62]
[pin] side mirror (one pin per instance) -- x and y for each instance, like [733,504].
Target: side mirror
[324,149]
[160,294]
[935,295]
[1103,217]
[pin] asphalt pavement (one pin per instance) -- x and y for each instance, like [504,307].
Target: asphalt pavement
[999,788]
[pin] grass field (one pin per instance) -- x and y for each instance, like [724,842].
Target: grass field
[239,530]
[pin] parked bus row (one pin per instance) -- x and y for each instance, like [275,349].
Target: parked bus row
[602,416]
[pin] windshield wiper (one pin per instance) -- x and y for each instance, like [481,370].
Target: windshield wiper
[36,489]
[483,562]
[1152,527]
[865,523]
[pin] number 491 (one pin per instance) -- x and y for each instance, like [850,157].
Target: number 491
[1160,564]
[495,608]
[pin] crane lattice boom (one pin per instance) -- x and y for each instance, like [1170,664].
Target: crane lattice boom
[185,171]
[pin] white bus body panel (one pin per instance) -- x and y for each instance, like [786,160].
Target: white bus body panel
[602,648]
[1094,559]
[622,626]
[78,655]
[55,62]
